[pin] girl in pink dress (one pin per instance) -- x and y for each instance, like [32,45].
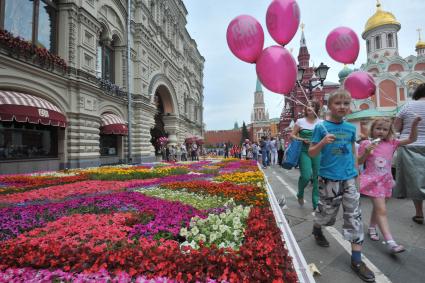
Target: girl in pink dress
[376,180]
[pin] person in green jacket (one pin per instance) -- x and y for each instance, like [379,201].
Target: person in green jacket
[309,166]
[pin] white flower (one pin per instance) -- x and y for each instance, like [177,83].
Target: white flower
[201,237]
[183,232]
[195,231]
[213,237]
[223,228]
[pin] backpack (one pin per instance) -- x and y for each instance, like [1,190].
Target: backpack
[292,154]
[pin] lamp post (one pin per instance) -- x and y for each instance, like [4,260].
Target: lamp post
[321,73]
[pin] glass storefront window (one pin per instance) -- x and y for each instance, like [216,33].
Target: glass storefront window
[108,145]
[19,18]
[46,26]
[25,140]
[32,20]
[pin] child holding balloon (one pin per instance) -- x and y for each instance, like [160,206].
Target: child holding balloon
[376,181]
[335,139]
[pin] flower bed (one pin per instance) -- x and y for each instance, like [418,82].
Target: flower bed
[161,223]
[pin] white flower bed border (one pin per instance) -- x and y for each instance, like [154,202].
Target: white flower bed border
[300,264]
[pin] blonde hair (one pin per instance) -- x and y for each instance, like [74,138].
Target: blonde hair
[340,93]
[385,120]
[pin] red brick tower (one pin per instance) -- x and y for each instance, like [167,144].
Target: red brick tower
[292,111]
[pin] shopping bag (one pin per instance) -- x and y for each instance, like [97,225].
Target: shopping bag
[292,154]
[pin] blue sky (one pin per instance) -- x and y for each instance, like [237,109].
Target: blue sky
[229,83]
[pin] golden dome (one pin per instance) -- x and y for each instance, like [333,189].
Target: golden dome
[420,45]
[380,18]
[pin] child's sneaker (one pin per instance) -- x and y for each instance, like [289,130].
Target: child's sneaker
[395,248]
[363,271]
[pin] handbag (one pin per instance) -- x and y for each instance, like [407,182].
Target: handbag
[292,154]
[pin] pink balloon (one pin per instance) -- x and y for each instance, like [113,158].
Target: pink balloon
[343,45]
[245,38]
[360,85]
[277,69]
[282,20]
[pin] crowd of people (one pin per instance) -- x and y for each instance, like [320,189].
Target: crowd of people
[182,152]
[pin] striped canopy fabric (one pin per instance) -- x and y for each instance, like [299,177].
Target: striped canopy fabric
[23,108]
[113,124]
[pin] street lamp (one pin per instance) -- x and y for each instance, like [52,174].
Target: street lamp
[321,73]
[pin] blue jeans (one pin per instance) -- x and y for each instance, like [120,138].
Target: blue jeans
[265,157]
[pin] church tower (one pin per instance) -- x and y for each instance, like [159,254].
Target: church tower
[381,34]
[259,112]
[303,55]
[420,46]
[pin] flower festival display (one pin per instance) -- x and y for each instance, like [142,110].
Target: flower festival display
[145,223]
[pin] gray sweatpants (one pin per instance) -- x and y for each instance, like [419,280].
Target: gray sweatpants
[331,194]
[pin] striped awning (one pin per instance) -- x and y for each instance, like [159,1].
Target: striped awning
[23,108]
[113,124]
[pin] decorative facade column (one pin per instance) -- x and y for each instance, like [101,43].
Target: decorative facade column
[144,113]
[83,140]
[171,127]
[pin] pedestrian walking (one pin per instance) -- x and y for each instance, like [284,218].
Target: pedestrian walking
[243,151]
[273,151]
[280,149]
[309,166]
[194,151]
[377,181]
[264,153]
[226,150]
[334,139]
[183,152]
[410,177]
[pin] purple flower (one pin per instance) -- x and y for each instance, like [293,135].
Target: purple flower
[167,216]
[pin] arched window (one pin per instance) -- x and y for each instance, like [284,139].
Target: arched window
[368,45]
[33,20]
[390,40]
[378,42]
[105,58]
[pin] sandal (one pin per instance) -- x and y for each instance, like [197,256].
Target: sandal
[395,248]
[373,234]
[418,219]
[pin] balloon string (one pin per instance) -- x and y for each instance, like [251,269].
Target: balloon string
[303,91]
[315,114]
[386,96]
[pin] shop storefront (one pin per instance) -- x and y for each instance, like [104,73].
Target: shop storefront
[31,129]
[111,141]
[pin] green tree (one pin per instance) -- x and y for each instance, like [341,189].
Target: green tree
[236,126]
[245,133]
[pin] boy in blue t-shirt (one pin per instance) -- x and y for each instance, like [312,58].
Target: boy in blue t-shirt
[335,140]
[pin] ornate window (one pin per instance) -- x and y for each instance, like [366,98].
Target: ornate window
[105,59]
[368,45]
[390,40]
[378,42]
[33,20]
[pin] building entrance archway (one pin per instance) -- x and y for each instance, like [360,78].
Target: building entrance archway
[164,118]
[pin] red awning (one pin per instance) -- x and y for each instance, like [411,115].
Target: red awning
[24,108]
[113,124]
